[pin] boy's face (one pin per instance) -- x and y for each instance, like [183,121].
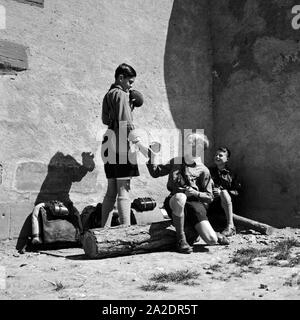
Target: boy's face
[221,157]
[126,83]
[192,147]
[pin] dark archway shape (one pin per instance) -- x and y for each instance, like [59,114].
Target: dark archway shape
[187,65]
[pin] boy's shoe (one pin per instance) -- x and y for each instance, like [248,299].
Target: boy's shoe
[222,240]
[183,247]
[229,231]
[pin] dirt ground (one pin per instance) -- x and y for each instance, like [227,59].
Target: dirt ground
[216,272]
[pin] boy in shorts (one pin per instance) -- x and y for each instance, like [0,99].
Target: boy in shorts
[117,109]
[225,189]
[190,187]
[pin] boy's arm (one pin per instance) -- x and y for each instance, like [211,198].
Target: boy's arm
[158,170]
[206,195]
[105,112]
[235,186]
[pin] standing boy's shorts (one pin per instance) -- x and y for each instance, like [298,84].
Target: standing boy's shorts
[117,170]
[121,170]
[194,211]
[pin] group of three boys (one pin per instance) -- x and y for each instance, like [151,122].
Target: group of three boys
[194,190]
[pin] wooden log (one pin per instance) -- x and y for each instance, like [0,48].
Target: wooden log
[252,224]
[116,241]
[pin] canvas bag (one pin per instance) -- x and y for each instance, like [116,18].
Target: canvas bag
[60,227]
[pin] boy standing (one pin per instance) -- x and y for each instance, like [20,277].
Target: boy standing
[225,190]
[119,169]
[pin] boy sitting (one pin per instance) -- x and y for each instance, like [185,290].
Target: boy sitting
[190,186]
[225,189]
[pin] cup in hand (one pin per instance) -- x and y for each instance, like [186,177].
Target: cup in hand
[155,146]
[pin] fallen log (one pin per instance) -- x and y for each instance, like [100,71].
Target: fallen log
[101,243]
[252,224]
[116,241]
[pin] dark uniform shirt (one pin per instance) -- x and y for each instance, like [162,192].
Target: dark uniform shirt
[225,179]
[180,175]
[116,107]
[117,115]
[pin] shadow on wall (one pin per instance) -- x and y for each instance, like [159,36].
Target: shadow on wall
[63,170]
[187,66]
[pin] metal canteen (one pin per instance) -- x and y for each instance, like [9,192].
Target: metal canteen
[60,210]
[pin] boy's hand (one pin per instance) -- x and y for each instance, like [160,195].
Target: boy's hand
[216,192]
[190,192]
[181,189]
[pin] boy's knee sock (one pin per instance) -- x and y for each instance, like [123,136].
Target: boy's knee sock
[178,222]
[107,210]
[124,209]
[227,206]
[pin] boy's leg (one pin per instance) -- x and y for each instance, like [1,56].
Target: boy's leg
[123,200]
[108,203]
[206,232]
[177,204]
[226,204]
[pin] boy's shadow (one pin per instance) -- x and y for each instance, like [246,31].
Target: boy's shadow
[63,170]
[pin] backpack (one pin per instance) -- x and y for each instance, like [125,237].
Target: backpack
[60,222]
[91,217]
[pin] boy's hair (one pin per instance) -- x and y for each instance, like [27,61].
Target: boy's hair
[197,137]
[126,70]
[225,149]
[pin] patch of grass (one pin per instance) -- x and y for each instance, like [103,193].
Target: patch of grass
[59,286]
[191,283]
[283,248]
[154,287]
[215,267]
[286,244]
[294,261]
[255,270]
[293,280]
[281,251]
[273,262]
[221,277]
[180,276]
[237,273]
[245,256]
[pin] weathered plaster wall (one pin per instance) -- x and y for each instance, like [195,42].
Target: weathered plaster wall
[256,103]
[51,113]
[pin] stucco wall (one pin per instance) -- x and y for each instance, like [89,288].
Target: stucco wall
[256,103]
[51,113]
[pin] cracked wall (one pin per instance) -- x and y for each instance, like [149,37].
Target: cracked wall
[256,60]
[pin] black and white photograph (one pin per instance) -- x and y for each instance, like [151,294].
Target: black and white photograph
[149,153]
